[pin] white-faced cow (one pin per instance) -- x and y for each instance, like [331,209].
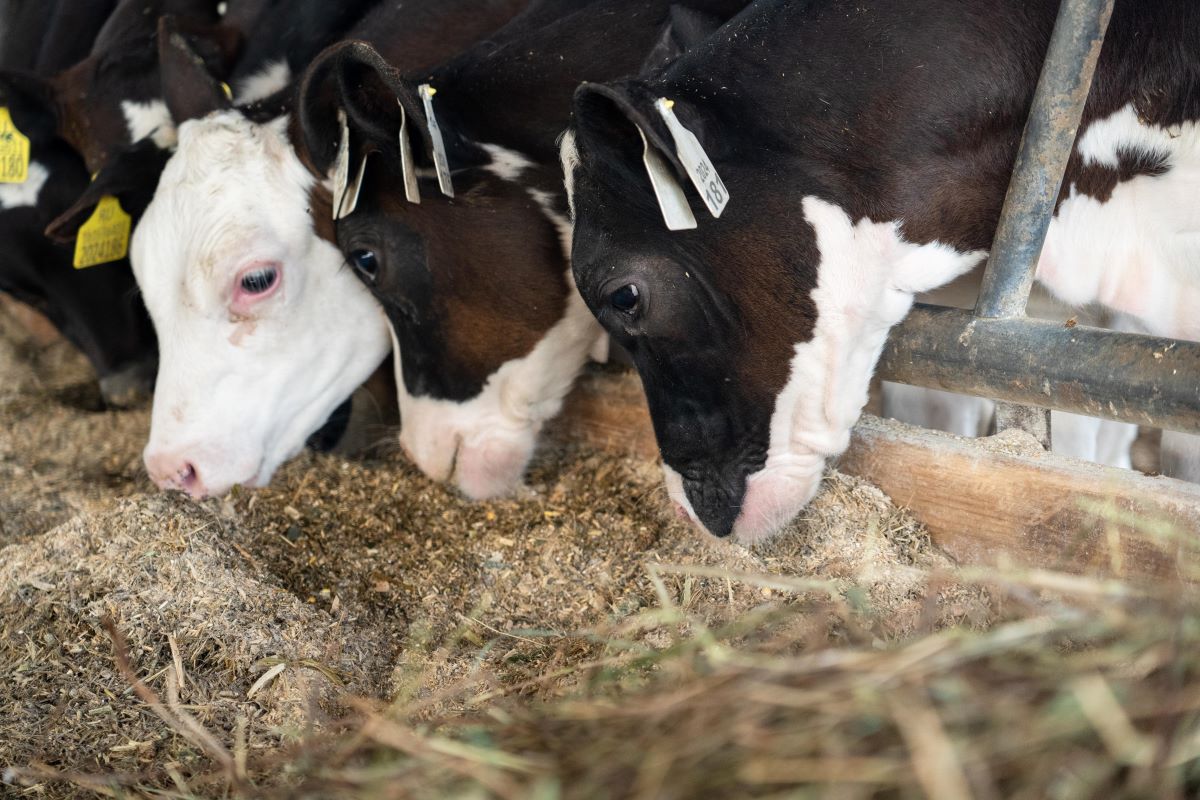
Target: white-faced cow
[262,331]
[865,148]
[489,331]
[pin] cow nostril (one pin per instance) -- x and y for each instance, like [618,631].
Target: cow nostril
[187,477]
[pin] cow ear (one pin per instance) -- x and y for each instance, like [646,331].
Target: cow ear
[189,88]
[137,20]
[131,176]
[608,117]
[31,103]
[685,28]
[351,76]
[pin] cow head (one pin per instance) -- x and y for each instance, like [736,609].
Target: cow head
[262,331]
[113,97]
[489,332]
[755,334]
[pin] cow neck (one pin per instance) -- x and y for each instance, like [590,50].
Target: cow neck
[870,134]
[515,90]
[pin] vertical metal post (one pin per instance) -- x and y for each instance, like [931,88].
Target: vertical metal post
[1045,148]
[1046,145]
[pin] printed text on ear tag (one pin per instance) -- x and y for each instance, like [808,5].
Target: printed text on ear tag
[408,169]
[105,236]
[675,210]
[341,167]
[14,151]
[439,147]
[695,161]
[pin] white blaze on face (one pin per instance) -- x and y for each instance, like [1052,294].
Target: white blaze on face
[1138,252]
[484,444]
[866,280]
[244,379]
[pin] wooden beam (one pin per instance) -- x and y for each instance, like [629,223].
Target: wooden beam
[1004,497]
[607,410]
[982,500]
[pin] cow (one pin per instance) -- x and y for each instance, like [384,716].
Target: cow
[489,332]
[96,309]
[262,332]
[851,184]
[112,97]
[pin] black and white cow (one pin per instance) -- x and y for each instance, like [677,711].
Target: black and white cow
[262,331]
[489,332]
[113,97]
[865,146]
[96,309]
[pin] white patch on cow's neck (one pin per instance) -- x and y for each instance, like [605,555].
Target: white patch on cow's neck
[238,394]
[509,165]
[23,195]
[149,119]
[506,164]
[866,281]
[545,202]
[568,155]
[264,83]
[1139,252]
[487,441]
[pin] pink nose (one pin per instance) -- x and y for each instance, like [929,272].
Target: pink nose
[681,512]
[170,471]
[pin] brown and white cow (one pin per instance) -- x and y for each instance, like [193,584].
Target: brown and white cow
[489,332]
[865,148]
[262,330]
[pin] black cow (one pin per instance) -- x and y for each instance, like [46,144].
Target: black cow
[489,328]
[864,147]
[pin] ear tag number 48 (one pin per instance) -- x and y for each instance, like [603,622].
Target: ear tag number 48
[695,161]
[14,150]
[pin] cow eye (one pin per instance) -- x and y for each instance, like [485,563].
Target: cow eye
[365,262]
[625,299]
[259,280]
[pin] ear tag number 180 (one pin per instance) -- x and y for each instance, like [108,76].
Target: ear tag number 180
[695,161]
[105,236]
[14,150]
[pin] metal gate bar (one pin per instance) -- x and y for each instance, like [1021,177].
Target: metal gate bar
[1042,159]
[999,353]
[1140,379]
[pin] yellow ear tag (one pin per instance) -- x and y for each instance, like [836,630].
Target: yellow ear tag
[14,150]
[105,236]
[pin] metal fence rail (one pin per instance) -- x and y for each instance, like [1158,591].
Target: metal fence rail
[999,353]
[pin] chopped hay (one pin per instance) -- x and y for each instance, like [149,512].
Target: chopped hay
[356,630]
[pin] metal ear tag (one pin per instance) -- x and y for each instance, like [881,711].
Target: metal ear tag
[439,147]
[341,169]
[696,162]
[408,169]
[671,199]
[350,198]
